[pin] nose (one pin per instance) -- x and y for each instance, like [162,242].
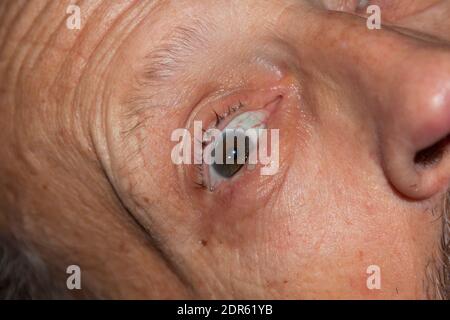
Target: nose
[404,85]
[414,124]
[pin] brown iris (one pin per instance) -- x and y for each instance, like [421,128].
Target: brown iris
[235,147]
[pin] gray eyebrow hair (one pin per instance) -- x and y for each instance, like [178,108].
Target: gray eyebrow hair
[174,53]
[164,64]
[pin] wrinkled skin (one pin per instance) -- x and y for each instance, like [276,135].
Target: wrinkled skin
[86,170]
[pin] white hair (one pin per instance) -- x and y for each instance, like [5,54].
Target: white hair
[23,274]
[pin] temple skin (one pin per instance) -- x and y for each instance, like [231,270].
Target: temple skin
[86,174]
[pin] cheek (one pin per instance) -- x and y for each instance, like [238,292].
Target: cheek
[340,222]
[326,238]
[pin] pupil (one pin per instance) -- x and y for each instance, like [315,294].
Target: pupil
[232,160]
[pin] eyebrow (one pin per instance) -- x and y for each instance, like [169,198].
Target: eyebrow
[162,65]
[174,53]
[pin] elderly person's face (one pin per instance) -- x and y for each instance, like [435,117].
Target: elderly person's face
[87,169]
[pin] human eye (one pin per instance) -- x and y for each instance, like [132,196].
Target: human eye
[232,148]
[230,140]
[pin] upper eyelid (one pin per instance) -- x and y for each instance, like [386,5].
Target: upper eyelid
[231,109]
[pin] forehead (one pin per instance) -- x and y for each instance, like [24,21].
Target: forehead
[228,16]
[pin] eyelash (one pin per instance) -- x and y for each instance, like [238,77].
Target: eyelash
[230,111]
[201,183]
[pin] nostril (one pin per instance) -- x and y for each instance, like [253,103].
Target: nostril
[433,154]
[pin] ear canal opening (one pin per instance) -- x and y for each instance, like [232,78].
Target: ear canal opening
[432,155]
